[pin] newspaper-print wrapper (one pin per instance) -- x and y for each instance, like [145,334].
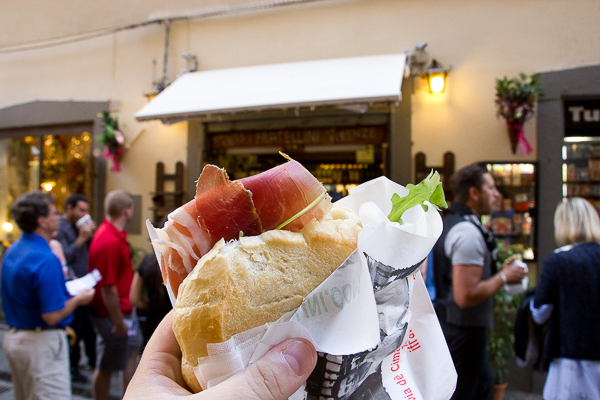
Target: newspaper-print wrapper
[371,321]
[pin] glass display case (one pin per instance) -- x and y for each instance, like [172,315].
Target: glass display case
[59,164]
[339,171]
[581,171]
[514,221]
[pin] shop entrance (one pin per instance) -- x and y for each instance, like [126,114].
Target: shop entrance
[341,157]
[61,164]
[48,145]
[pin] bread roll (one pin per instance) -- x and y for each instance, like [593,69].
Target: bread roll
[254,280]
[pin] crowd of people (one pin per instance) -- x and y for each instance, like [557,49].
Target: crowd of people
[36,304]
[54,249]
[466,277]
[43,316]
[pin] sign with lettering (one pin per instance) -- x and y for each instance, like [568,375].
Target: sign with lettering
[366,156]
[582,117]
[300,137]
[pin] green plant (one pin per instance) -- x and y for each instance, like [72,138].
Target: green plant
[502,337]
[113,139]
[515,99]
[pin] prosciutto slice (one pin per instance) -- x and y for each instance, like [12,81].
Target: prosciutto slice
[181,242]
[282,192]
[224,209]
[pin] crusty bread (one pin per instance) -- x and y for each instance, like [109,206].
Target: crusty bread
[249,282]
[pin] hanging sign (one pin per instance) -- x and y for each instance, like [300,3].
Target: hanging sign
[366,156]
[582,117]
[300,137]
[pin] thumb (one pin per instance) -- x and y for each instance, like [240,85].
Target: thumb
[275,376]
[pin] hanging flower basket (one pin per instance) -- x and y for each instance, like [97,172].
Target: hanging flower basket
[113,139]
[515,101]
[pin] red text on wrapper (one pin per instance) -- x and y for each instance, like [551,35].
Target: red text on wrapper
[399,378]
[395,363]
[411,343]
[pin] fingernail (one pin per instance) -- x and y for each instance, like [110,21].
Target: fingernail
[298,356]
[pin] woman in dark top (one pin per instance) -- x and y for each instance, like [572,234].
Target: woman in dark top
[149,295]
[569,297]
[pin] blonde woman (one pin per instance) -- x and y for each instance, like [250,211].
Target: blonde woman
[568,296]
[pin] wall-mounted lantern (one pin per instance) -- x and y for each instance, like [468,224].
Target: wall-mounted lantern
[436,76]
[434,72]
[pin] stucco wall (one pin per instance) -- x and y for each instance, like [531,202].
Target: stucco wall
[482,40]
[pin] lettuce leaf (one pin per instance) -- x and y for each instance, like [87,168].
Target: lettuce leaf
[430,189]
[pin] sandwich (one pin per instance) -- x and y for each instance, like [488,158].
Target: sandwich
[244,253]
[254,280]
[285,197]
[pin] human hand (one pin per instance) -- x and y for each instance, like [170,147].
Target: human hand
[85,296]
[514,273]
[121,329]
[86,231]
[275,376]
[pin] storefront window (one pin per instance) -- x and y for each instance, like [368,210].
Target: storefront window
[19,173]
[340,157]
[67,166]
[59,164]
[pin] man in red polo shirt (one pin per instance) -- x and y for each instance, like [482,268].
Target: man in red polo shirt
[114,322]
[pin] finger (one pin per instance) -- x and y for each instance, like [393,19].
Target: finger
[275,376]
[163,339]
[159,371]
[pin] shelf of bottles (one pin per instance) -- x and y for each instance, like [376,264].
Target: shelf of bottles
[581,171]
[339,178]
[513,220]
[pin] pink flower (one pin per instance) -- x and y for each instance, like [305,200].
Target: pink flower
[119,137]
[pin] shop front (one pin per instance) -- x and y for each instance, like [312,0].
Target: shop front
[340,156]
[42,148]
[343,119]
[569,144]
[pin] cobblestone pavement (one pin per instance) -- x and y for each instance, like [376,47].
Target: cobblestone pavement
[512,395]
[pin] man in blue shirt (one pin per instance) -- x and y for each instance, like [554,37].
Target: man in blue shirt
[36,303]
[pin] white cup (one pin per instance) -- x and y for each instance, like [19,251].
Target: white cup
[86,219]
[518,288]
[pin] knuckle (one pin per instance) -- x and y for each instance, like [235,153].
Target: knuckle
[263,381]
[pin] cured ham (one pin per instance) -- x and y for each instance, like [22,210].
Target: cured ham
[282,192]
[181,242]
[225,209]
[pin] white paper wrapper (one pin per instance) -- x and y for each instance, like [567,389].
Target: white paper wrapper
[371,321]
[86,282]
[518,288]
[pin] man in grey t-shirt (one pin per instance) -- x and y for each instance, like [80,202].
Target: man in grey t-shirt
[466,280]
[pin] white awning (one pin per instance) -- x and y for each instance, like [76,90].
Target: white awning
[339,81]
